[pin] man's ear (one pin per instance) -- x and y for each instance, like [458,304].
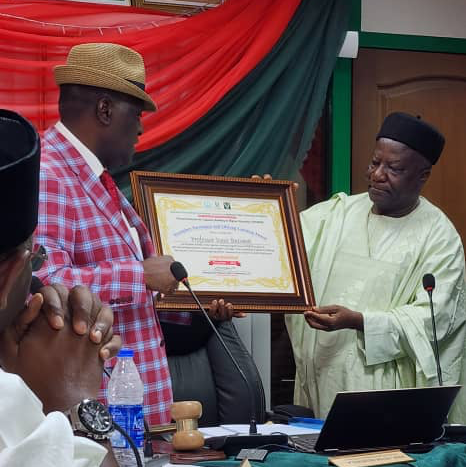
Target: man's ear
[10,269]
[425,174]
[104,109]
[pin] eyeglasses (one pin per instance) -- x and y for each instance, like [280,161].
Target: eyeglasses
[38,257]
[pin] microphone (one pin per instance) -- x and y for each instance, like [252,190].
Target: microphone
[428,282]
[230,444]
[452,431]
[36,285]
[181,275]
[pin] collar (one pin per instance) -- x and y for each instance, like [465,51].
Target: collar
[90,158]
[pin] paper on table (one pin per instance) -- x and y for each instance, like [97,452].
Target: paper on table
[217,431]
[265,429]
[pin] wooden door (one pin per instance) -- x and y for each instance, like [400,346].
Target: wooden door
[432,85]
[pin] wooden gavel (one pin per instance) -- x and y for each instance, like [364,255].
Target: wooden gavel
[186,415]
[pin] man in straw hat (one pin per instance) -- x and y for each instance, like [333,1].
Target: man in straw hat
[92,234]
[368,254]
[42,341]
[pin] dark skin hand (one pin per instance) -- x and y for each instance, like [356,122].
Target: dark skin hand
[62,368]
[219,310]
[333,318]
[51,336]
[269,177]
[157,274]
[159,277]
[222,311]
[80,307]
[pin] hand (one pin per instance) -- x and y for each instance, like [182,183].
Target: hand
[334,317]
[88,315]
[264,177]
[61,367]
[157,274]
[269,177]
[222,311]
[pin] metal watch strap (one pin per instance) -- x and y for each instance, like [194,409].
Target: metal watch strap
[78,428]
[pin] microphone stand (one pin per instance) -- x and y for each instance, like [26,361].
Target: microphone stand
[450,430]
[252,423]
[231,444]
[434,330]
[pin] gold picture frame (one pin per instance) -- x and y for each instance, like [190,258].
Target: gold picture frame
[240,238]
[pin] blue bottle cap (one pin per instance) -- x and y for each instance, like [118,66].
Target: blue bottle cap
[125,353]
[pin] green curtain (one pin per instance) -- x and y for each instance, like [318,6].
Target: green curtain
[266,123]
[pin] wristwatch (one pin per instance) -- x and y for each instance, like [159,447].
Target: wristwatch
[91,419]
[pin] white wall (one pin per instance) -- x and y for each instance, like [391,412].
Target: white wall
[254,331]
[440,18]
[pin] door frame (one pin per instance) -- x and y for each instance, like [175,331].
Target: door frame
[340,106]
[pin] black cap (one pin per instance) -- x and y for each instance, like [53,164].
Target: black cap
[19,179]
[415,133]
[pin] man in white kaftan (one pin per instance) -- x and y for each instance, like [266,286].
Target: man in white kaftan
[364,256]
[375,264]
[29,438]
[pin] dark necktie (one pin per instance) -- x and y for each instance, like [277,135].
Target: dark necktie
[110,185]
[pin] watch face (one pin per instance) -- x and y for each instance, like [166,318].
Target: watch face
[95,417]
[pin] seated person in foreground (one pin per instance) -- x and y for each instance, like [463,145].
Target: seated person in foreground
[56,342]
[368,254]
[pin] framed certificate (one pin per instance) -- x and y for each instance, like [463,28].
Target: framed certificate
[240,239]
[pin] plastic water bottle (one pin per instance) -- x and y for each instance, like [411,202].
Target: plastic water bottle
[125,396]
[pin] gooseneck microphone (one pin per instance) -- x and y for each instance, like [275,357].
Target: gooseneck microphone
[231,445]
[452,431]
[181,275]
[428,282]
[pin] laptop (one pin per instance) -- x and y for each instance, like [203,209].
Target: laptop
[366,420]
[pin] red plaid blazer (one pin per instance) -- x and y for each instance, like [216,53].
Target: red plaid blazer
[88,243]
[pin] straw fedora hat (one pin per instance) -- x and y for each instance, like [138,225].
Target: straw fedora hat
[108,66]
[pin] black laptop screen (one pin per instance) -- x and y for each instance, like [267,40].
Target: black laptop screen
[394,417]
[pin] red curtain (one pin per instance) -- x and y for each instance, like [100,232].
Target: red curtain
[191,62]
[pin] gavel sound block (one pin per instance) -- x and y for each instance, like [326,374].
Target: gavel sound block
[186,414]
